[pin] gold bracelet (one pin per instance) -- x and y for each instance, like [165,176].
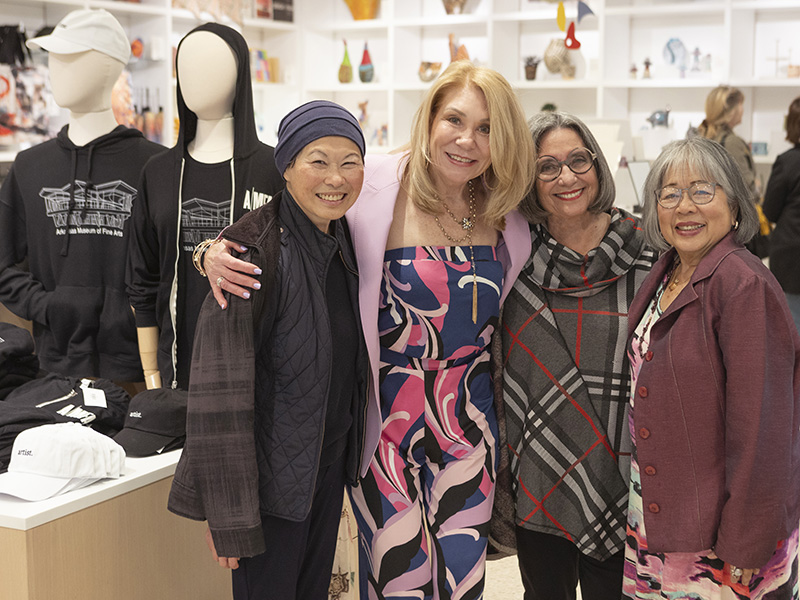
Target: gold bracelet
[198,255]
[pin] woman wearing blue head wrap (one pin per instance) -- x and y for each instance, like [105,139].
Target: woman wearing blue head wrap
[275,423]
[439,245]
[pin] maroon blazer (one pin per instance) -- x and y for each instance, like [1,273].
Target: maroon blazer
[717,411]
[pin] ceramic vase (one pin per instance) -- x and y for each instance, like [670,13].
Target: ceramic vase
[363,9]
[346,68]
[366,71]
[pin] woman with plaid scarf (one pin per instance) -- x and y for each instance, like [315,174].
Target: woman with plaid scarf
[565,375]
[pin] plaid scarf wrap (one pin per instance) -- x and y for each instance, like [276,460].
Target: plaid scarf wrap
[566,385]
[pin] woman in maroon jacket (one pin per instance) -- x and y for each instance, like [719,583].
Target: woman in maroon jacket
[715,361]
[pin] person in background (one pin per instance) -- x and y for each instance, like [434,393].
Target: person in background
[782,207]
[724,110]
[565,376]
[715,365]
[439,246]
[278,384]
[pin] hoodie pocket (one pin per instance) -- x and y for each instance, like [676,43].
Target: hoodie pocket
[73,318]
[117,333]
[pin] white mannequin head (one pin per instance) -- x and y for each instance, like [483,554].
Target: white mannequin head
[207,71]
[82,82]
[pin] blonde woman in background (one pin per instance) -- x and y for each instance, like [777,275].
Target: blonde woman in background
[724,109]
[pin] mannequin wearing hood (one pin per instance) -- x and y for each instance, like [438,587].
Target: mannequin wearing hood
[70,220]
[217,171]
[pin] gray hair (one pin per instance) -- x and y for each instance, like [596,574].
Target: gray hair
[708,160]
[542,124]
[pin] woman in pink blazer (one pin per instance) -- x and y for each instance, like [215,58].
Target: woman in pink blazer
[438,243]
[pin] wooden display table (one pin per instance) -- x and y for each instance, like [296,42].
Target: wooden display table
[113,540]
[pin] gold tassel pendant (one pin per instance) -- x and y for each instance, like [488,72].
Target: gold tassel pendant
[474,299]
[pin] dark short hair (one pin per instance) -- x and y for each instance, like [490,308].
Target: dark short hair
[793,122]
[708,159]
[542,124]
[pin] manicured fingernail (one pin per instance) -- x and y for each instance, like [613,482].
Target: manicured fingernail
[257,285]
[246,295]
[257,271]
[222,305]
[243,248]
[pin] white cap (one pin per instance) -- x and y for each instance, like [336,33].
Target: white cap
[53,459]
[87,29]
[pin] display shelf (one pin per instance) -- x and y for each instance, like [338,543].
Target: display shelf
[73,4]
[737,34]
[361,27]
[683,9]
[138,472]
[765,5]
[675,84]
[130,7]
[556,84]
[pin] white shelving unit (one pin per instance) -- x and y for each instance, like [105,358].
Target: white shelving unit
[740,36]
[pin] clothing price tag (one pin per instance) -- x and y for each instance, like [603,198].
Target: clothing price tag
[94,397]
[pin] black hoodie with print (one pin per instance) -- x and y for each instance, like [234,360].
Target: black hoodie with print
[65,209]
[166,224]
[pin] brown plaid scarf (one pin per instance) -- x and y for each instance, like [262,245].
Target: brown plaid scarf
[566,383]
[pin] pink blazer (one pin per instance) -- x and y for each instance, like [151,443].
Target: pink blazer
[369,220]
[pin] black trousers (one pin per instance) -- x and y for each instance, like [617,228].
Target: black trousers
[552,566]
[299,558]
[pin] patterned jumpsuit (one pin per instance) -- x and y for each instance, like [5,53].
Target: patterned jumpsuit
[424,506]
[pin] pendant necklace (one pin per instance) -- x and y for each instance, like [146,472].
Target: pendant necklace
[467,224]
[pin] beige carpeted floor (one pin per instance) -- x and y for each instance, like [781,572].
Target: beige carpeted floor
[502,579]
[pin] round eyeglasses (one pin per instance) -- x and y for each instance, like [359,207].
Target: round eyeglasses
[700,192]
[579,161]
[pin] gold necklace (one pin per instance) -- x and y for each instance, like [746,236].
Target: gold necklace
[467,223]
[674,277]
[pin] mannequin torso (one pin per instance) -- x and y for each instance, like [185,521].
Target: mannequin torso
[203,57]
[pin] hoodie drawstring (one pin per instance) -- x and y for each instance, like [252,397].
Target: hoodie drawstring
[71,204]
[89,185]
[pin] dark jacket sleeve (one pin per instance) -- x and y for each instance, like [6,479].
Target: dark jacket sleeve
[782,180]
[143,271]
[759,348]
[19,291]
[217,479]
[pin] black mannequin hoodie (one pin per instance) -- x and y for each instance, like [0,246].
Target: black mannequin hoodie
[66,209]
[155,276]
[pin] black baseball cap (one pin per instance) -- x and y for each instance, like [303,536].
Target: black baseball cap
[155,423]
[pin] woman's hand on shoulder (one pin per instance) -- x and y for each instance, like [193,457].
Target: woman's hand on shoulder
[226,273]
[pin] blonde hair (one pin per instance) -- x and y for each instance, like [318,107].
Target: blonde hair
[720,104]
[510,174]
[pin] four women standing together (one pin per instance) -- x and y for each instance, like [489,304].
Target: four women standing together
[439,248]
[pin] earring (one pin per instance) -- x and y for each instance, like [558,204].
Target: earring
[736,225]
